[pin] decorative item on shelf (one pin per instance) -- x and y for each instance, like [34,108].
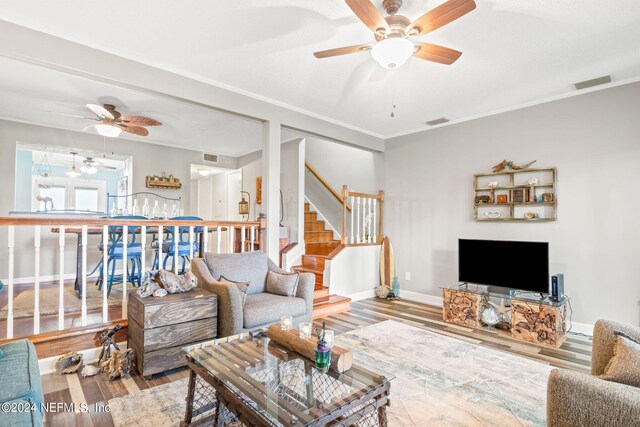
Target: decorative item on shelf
[548,197]
[382,291]
[119,364]
[492,184]
[69,363]
[305,330]
[504,312]
[244,207]
[490,316]
[286,323]
[531,215]
[89,371]
[533,181]
[149,285]
[539,199]
[175,284]
[323,350]
[259,190]
[508,165]
[502,198]
[492,214]
[483,199]
[520,195]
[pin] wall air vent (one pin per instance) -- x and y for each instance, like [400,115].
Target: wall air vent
[593,82]
[439,121]
[211,158]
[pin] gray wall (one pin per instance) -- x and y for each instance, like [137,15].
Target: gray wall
[593,141]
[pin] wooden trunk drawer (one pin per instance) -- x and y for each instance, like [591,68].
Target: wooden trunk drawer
[153,312]
[179,334]
[157,361]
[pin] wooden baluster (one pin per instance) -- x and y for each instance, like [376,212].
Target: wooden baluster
[176,248]
[61,242]
[374,212]
[11,243]
[83,315]
[191,241]
[358,221]
[125,269]
[242,237]
[36,302]
[105,273]
[353,210]
[253,238]
[219,236]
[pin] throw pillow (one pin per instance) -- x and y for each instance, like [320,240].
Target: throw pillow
[1,353]
[285,284]
[624,366]
[243,287]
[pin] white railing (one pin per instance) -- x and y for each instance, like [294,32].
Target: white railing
[363,224]
[229,236]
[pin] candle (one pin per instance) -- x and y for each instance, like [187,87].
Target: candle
[305,330]
[285,323]
[328,338]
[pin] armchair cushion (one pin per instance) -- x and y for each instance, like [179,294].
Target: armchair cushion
[284,284]
[250,267]
[624,366]
[265,308]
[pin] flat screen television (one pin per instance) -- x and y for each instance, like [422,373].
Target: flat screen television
[508,264]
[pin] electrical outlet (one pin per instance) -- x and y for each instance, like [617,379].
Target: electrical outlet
[407,276]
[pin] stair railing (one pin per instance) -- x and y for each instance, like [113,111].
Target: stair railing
[326,185]
[361,225]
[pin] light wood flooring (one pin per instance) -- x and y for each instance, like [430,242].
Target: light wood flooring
[574,354]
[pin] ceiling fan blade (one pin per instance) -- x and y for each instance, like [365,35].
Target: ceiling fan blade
[342,51]
[100,111]
[442,15]
[88,128]
[435,53]
[136,130]
[105,167]
[72,115]
[368,14]
[138,121]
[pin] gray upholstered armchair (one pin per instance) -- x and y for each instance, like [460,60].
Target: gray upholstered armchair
[260,307]
[578,399]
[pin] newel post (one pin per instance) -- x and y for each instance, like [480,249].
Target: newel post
[380,199]
[345,196]
[262,232]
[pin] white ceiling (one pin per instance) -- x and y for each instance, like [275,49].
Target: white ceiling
[515,51]
[31,93]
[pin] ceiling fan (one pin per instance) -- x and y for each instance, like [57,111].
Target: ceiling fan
[109,121]
[393,33]
[88,166]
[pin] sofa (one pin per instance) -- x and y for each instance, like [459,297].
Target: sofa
[260,307]
[579,399]
[20,385]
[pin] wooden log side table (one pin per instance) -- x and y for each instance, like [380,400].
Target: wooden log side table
[253,381]
[159,327]
[462,308]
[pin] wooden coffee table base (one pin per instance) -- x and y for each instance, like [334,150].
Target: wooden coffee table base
[209,400]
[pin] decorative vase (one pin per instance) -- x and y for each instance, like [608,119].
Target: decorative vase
[395,287]
[323,358]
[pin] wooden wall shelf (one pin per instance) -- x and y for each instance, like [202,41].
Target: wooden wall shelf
[513,185]
[169,185]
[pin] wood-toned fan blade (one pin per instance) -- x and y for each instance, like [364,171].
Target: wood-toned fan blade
[368,14]
[435,53]
[100,111]
[137,130]
[442,15]
[138,121]
[342,51]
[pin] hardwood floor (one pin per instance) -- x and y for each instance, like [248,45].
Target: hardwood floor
[574,354]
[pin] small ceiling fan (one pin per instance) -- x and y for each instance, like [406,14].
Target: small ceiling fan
[109,121]
[393,33]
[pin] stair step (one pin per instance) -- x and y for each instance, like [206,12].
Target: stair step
[318,236]
[319,273]
[318,225]
[310,216]
[332,305]
[320,294]
[321,248]
[307,208]
[313,261]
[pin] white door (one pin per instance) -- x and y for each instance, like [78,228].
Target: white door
[234,186]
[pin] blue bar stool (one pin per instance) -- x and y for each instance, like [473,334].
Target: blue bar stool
[179,246]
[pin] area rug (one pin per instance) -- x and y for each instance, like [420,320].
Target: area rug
[440,381]
[23,303]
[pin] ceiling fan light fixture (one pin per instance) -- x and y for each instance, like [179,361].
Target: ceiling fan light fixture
[108,130]
[392,52]
[73,172]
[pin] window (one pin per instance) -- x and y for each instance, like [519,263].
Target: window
[86,199]
[54,198]
[69,194]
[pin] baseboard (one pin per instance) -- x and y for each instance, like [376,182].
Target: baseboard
[362,295]
[424,298]
[48,365]
[581,328]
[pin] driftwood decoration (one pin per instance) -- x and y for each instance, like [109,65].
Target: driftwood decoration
[538,323]
[69,363]
[341,358]
[461,308]
[175,284]
[509,165]
[119,364]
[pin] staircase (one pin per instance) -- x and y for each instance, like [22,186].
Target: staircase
[320,246]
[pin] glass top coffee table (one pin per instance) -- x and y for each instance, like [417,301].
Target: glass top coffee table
[250,380]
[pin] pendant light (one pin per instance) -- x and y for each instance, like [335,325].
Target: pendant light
[243,206]
[73,171]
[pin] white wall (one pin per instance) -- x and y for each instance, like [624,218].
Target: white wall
[292,186]
[593,141]
[355,271]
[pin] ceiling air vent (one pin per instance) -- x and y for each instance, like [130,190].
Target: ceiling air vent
[211,158]
[593,82]
[439,121]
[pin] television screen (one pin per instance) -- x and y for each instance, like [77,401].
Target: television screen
[515,265]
